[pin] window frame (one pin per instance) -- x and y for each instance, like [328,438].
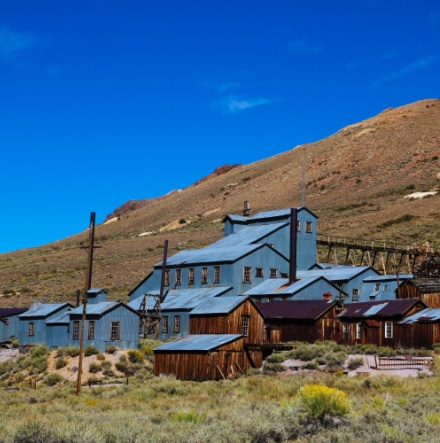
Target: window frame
[115,330]
[176,321]
[245,325]
[91,330]
[377,287]
[205,274]
[358,331]
[259,272]
[247,274]
[31,329]
[75,330]
[178,277]
[355,293]
[166,278]
[309,227]
[165,324]
[388,330]
[191,276]
[273,273]
[217,275]
[298,226]
[345,331]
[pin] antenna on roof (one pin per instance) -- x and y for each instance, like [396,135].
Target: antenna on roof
[246,208]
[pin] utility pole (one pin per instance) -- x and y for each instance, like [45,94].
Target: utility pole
[88,285]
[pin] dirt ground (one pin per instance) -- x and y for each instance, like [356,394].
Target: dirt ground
[365,370]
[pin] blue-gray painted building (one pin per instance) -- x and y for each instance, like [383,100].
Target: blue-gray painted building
[381,287]
[32,323]
[9,323]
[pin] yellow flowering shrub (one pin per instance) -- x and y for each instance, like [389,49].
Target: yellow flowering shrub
[319,401]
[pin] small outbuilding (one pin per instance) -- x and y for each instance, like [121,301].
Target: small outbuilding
[420,330]
[427,289]
[9,323]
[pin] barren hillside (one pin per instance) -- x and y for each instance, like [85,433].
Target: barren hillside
[356,182]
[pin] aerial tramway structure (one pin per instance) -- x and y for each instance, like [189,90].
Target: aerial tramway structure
[392,258]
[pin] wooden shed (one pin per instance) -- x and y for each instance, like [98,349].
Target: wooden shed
[301,320]
[374,322]
[427,289]
[201,357]
[420,330]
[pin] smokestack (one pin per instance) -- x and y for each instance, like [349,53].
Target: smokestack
[293,246]
[246,208]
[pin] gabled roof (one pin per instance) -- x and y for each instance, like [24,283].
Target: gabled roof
[60,319]
[101,308]
[194,343]
[151,301]
[9,312]
[43,310]
[247,236]
[426,315]
[96,291]
[218,305]
[337,274]
[384,278]
[388,308]
[214,255]
[296,309]
[187,299]
[426,285]
[319,265]
[280,286]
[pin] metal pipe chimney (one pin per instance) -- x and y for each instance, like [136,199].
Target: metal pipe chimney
[293,244]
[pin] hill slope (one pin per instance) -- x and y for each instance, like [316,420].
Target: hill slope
[356,181]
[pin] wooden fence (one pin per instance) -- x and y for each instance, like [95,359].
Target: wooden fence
[402,362]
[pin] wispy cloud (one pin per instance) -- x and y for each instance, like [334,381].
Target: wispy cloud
[234,104]
[13,43]
[302,45]
[419,64]
[372,60]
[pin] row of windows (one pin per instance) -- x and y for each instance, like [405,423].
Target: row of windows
[259,272]
[388,333]
[191,276]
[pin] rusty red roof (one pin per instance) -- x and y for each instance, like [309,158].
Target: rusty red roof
[296,309]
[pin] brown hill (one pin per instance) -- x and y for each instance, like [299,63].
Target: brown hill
[356,181]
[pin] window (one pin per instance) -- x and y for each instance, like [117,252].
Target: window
[6,320]
[191,276]
[284,275]
[91,334]
[165,324]
[298,226]
[345,331]
[114,330]
[177,323]
[259,272]
[377,287]
[309,227]
[75,332]
[388,329]
[204,276]
[31,329]
[273,273]
[247,274]
[216,274]
[245,326]
[355,294]
[178,277]
[358,331]
[167,278]
[385,288]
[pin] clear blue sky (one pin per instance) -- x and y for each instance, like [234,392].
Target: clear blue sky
[104,101]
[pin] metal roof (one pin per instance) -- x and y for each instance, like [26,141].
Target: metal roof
[59,319]
[391,277]
[218,305]
[247,235]
[43,309]
[8,312]
[296,309]
[426,285]
[96,309]
[330,265]
[204,343]
[336,274]
[429,314]
[187,299]
[151,301]
[96,291]
[387,308]
[210,255]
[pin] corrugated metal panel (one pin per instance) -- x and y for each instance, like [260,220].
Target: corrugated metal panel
[210,255]
[96,309]
[379,308]
[433,314]
[271,214]
[374,310]
[206,342]
[151,301]
[426,285]
[190,298]
[218,305]
[296,309]
[381,278]
[246,236]
[44,310]
[62,318]
[335,274]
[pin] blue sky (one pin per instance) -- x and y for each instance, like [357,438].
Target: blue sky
[104,101]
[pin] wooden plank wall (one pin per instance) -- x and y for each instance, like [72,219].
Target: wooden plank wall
[408,290]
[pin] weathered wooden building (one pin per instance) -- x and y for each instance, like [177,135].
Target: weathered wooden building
[427,289]
[374,322]
[202,357]
[9,323]
[420,330]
